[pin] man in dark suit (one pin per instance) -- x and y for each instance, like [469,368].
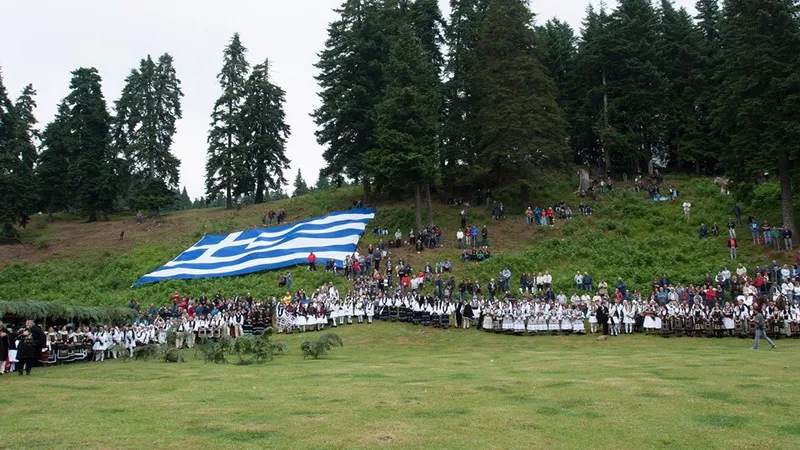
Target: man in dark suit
[602,316]
[31,342]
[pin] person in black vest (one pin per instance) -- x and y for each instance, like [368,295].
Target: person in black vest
[459,313]
[602,316]
[30,347]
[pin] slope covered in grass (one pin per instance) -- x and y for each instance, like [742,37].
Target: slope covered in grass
[628,236]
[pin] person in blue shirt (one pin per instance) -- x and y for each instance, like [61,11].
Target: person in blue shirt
[621,286]
[754,230]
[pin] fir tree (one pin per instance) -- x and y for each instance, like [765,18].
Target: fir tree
[407,118]
[680,50]
[17,156]
[590,116]
[460,124]
[521,124]
[147,112]
[635,88]
[300,186]
[227,161]
[53,161]
[91,179]
[759,95]
[266,131]
[560,64]
[351,86]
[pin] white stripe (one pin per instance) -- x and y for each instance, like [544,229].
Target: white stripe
[339,256]
[322,221]
[301,242]
[358,227]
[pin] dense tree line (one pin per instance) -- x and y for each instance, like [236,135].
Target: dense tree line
[92,160]
[412,101]
[489,99]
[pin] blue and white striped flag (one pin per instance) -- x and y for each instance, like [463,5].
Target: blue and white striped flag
[330,237]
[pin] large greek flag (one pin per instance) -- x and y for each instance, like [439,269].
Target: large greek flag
[330,237]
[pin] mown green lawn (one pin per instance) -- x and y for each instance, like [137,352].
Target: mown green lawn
[404,386]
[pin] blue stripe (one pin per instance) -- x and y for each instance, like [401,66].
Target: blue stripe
[301,229]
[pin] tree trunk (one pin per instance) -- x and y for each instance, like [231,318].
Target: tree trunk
[787,205]
[260,190]
[228,197]
[418,209]
[605,122]
[430,206]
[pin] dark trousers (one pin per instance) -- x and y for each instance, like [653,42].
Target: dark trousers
[26,364]
[312,266]
[605,327]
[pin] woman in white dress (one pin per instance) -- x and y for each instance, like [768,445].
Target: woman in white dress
[628,316]
[99,347]
[593,317]
[578,324]
[519,322]
[487,324]
[727,319]
[369,310]
[649,317]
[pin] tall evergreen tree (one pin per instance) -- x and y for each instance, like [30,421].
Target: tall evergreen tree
[91,178]
[407,118]
[759,96]
[227,161]
[559,60]
[266,131]
[636,88]
[706,146]
[680,51]
[351,86]
[521,124]
[460,133]
[592,67]
[53,161]
[300,186]
[147,112]
[17,156]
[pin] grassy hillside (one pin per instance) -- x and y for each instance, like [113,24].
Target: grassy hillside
[628,236]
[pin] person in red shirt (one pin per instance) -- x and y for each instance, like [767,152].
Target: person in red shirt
[405,282]
[312,261]
[356,268]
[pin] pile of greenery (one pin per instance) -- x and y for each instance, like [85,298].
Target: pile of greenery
[314,348]
[250,349]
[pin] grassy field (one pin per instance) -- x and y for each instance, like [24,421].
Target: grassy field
[629,236]
[397,385]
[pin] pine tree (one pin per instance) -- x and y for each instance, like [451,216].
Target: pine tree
[300,186]
[266,131]
[147,112]
[17,156]
[323,181]
[461,98]
[706,146]
[680,51]
[227,161]
[53,161]
[636,88]
[559,61]
[590,80]
[407,118]
[759,95]
[351,86]
[521,124]
[91,179]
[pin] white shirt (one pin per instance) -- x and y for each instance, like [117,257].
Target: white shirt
[460,235]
